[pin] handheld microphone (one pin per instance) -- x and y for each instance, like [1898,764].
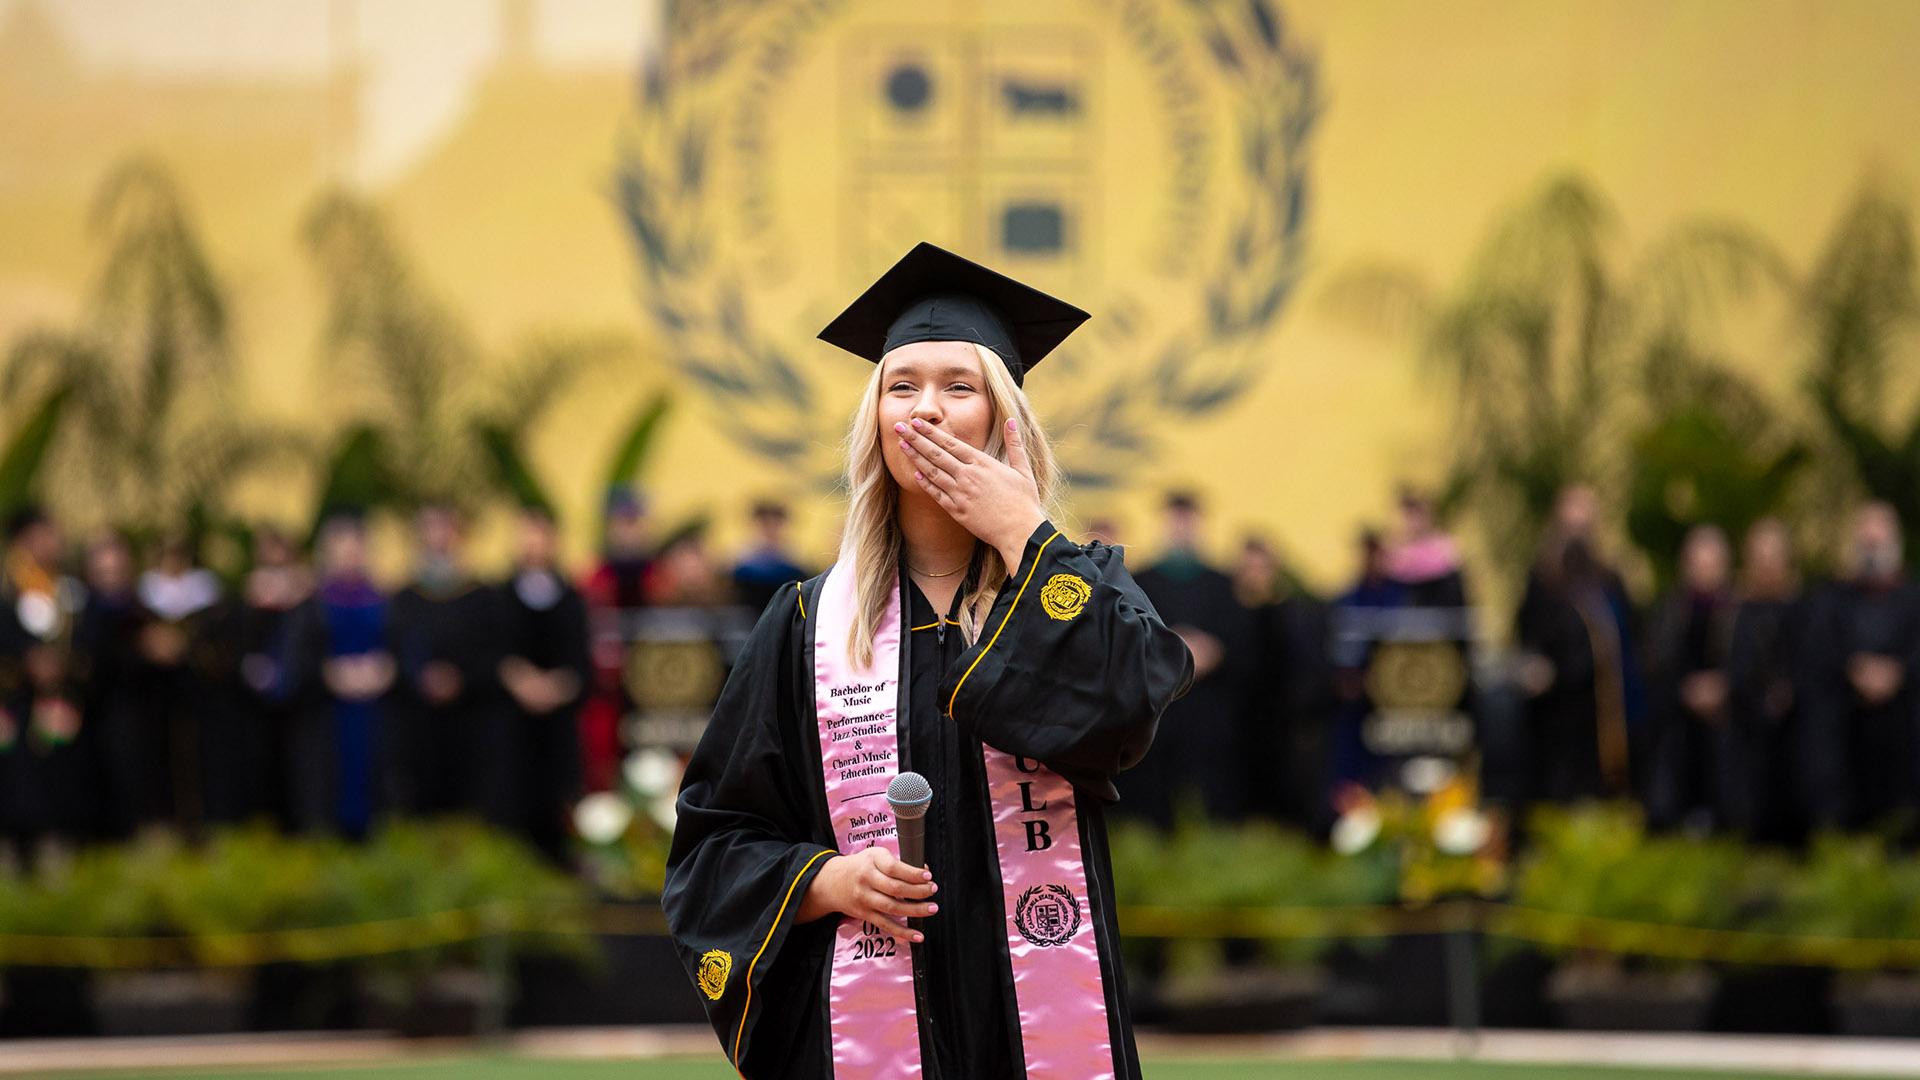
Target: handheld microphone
[908,796]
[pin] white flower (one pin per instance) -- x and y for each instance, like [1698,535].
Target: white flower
[663,810]
[1356,830]
[602,817]
[38,614]
[651,771]
[1462,831]
[1426,775]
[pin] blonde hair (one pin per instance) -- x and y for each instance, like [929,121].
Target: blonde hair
[872,535]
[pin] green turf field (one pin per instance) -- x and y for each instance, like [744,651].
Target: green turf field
[510,1068]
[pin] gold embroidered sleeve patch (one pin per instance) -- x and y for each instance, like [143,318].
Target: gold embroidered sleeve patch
[1064,595]
[715,966]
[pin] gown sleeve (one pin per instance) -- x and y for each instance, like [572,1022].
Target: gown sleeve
[1073,666]
[746,846]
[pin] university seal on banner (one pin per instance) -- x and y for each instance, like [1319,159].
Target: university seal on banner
[1147,159]
[1047,915]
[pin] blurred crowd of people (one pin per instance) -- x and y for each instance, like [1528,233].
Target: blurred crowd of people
[1744,700]
[305,693]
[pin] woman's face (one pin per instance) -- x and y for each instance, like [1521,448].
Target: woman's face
[940,383]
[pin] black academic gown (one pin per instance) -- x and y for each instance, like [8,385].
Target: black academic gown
[543,620]
[1082,695]
[449,759]
[1863,758]
[1562,741]
[1290,712]
[1205,741]
[131,752]
[1694,776]
[1763,697]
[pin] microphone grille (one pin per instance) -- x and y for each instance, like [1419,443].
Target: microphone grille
[909,791]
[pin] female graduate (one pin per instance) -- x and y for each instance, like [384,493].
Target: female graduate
[961,636]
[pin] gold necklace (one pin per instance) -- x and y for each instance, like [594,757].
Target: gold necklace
[943,573]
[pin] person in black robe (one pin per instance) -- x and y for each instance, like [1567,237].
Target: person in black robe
[1862,654]
[242,649]
[1203,743]
[1077,683]
[449,712]
[1577,668]
[545,670]
[180,597]
[1693,779]
[614,589]
[1763,666]
[764,570]
[1570,673]
[1290,693]
[112,674]
[49,785]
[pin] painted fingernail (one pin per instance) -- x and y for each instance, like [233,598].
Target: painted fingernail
[933,909]
[925,875]
[899,427]
[917,476]
[904,446]
[918,423]
[919,937]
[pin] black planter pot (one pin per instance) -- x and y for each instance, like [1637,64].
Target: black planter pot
[641,982]
[1775,1001]
[446,1002]
[38,1002]
[1592,997]
[1242,1001]
[303,997]
[1513,990]
[1401,981]
[187,1002]
[1878,1005]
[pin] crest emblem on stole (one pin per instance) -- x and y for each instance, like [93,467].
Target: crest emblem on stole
[1047,915]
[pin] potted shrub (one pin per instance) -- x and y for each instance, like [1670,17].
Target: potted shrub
[1613,906]
[38,998]
[209,905]
[1859,887]
[1261,971]
[488,899]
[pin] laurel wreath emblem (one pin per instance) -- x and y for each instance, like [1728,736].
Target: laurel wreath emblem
[1106,422]
[1064,595]
[1052,898]
[714,968]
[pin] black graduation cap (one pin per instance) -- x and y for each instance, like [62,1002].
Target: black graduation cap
[931,294]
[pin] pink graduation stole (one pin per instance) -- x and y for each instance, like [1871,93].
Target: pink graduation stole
[1051,938]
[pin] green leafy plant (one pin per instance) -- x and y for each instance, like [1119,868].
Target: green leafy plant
[1252,866]
[1635,894]
[1852,887]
